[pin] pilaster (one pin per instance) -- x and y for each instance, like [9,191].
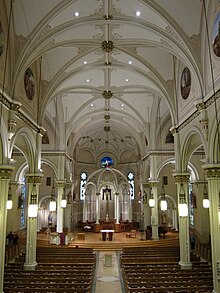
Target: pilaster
[31,241]
[5,176]
[154,211]
[213,177]
[185,262]
[60,184]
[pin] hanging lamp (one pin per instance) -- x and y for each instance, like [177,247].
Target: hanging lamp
[183,207]
[163,202]
[63,200]
[9,203]
[33,206]
[53,204]
[151,199]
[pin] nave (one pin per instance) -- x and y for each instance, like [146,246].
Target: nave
[123,265]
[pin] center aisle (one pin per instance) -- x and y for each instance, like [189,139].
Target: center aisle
[108,276]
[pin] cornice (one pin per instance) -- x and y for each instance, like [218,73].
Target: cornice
[199,106]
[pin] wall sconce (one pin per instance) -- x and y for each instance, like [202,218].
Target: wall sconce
[163,202]
[151,199]
[183,207]
[205,201]
[9,203]
[33,206]
[63,200]
[53,204]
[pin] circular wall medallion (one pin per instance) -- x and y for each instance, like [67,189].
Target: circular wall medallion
[1,40]
[216,36]
[29,84]
[185,83]
[106,162]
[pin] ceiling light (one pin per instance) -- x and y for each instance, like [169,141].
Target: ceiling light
[126,79]
[129,62]
[77,13]
[85,62]
[138,13]
[87,80]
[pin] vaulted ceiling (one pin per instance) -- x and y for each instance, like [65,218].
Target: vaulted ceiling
[107,70]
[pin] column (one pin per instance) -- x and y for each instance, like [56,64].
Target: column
[85,209]
[60,184]
[31,241]
[117,207]
[97,207]
[185,261]
[154,210]
[213,177]
[129,209]
[5,175]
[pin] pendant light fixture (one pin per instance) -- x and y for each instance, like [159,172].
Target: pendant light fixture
[205,201]
[33,206]
[151,199]
[163,202]
[9,201]
[53,204]
[63,200]
[183,206]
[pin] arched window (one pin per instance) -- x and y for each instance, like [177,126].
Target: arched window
[130,177]
[22,204]
[83,180]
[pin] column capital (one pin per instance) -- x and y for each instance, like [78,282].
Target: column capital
[181,177]
[212,170]
[60,183]
[33,178]
[5,172]
[116,193]
[153,183]
[97,193]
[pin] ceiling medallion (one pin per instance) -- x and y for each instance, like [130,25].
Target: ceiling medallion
[107,46]
[107,94]
[107,117]
[106,128]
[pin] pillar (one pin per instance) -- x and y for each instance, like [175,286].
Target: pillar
[31,241]
[85,209]
[5,175]
[154,210]
[117,207]
[97,207]
[60,184]
[213,177]
[129,208]
[184,237]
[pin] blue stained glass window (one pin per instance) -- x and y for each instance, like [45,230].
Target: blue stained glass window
[106,162]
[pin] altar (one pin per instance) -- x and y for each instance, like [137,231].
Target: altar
[107,235]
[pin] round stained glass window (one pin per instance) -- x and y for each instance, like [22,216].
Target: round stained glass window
[106,162]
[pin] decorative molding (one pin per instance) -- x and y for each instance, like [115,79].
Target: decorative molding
[5,172]
[169,29]
[33,178]
[60,183]
[166,43]
[207,104]
[181,177]
[107,95]
[107,46]
[195,43]
[43,32]
[212,170]
[132,49]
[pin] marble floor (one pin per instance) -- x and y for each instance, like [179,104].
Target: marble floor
[108,276]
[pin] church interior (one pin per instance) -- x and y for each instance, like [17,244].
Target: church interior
[109,146]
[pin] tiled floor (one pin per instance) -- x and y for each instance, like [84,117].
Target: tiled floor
[108,277]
